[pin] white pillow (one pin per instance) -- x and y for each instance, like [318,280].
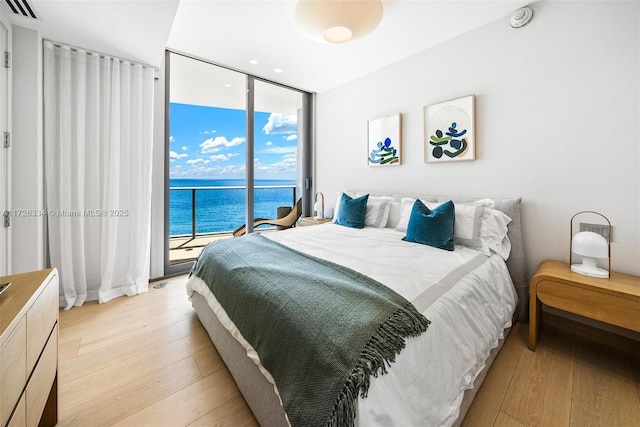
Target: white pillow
[406,204]
[377,209]
[395,209]
[494,232]
[467,226]
[377,213]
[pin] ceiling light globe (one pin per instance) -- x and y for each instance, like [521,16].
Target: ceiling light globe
[319,19]
[338,34]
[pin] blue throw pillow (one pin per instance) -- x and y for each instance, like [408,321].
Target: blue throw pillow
[432,227]
[351,212]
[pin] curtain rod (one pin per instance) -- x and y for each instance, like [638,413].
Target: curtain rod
[100,54]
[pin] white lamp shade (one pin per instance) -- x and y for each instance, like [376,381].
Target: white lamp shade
[590,244]
[337,21]
[317,207]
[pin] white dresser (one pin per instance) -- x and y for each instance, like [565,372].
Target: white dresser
[29,349]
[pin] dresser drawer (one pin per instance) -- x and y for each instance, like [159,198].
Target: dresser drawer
[12,370]
[29,349]
[43,376]
[19,418]
[41,317]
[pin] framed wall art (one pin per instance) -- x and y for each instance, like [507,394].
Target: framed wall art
[449,130]
[384,147]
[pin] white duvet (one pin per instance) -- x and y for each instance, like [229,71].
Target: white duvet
[468,297]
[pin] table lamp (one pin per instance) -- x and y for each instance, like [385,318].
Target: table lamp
[591,246]
[318,207]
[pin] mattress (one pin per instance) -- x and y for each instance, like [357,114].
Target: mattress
[468,297]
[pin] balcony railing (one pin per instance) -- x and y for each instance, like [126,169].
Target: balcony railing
[223,208]
[227,209]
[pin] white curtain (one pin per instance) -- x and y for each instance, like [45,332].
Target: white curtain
[98,115]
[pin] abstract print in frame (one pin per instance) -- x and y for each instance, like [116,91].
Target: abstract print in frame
[449,130]
[385,141]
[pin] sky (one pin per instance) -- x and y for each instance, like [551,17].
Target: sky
[210,143]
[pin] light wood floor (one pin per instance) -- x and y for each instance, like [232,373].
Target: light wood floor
[147,361]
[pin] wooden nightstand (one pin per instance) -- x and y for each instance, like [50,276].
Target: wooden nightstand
[309,220]
[615,300]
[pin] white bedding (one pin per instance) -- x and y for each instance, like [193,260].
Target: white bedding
[468,297]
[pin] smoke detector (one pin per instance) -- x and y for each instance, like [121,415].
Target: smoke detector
[521,17]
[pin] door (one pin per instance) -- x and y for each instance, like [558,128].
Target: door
[277,138]
[233,154]
[206,157]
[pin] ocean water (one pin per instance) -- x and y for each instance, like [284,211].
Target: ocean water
[222,210]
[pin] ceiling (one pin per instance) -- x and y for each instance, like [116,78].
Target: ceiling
[233,32]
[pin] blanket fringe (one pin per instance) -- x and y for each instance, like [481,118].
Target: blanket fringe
[378,354]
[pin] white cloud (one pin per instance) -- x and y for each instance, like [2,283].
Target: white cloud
[288,165]
[175,156]
[198,161]
[213,145]
[216,171]
[291,137]
[184,148]
[269,143]
[281,123]
[171,139]
[208,132]
[280,150]
[222,157]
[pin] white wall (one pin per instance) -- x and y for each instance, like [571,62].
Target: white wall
[28,249]
[27,173]
[5,154]
[557,122]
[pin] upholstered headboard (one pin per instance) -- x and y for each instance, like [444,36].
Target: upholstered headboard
[516,263]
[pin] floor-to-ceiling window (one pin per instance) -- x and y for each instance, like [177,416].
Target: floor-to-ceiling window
[237,149]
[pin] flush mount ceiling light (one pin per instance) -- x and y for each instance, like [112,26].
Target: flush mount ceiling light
[337,21]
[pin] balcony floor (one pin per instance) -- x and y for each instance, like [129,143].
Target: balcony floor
[182,249]
[186,248]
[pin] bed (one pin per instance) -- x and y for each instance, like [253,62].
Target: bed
[470,295]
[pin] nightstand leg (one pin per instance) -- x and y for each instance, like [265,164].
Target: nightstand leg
[534,320]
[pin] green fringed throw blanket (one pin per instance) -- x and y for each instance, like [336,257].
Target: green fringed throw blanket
[320,329]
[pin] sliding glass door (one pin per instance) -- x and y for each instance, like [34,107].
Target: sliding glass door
[232,155]
[276,170]
[207,140]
